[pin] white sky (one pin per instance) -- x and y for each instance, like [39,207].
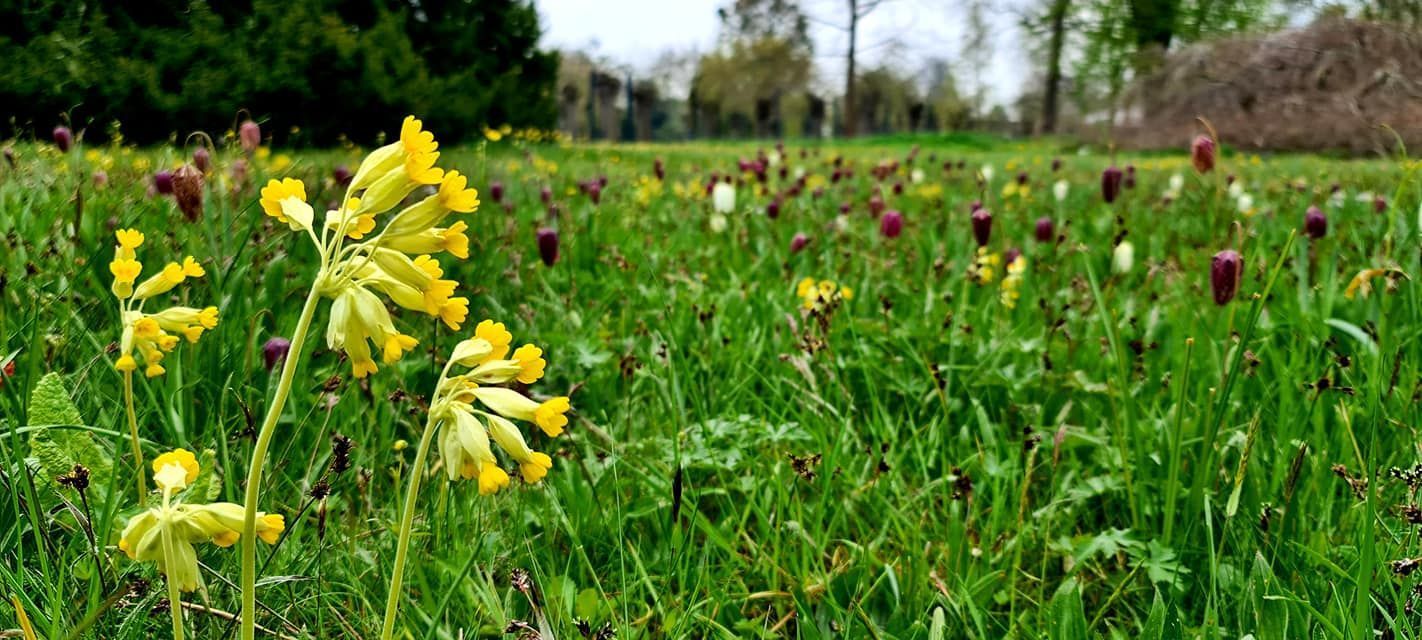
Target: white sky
[633,32]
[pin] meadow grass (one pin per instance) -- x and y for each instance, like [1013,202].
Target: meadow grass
[1116,456]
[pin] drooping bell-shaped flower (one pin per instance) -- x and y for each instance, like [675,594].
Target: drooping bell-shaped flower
[1225,270]
[982,226]
[1315,223]
[1202,153]
[1111,184]
[250,135]
[892,224]
[548,245]
[63,138]
[1046,228]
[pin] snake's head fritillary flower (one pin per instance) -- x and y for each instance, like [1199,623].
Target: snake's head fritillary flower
[275,351]
[1379,204]
[545,195]
[1060,190]
[1202,153]
[892,224]
[798,243]
[101,178]
[1225,270]
[876,205]
[659,169]
[342,175]
[202,159]
[1011,255]
[1046,229]
[163,182]
[772,209]
[496,191]
[723,197]
[548,245]
[982,226]
[1315,223]
[63,138]
[1111,184]
[250,135]
[1123,257]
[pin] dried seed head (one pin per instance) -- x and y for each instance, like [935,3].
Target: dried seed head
[187,190]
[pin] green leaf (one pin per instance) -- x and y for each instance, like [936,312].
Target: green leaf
[209,481]
[1162,623]
[1066,614]
[56,449]
[589,605]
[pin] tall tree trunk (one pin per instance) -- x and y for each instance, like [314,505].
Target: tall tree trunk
[1051,93]
[850,114]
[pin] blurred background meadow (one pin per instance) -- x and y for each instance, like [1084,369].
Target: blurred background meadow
[879,318]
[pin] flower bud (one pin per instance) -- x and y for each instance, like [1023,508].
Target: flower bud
[1225,270]
[496,191]
[772,210]
[1123,257]
[63,138]
[275,351]
[239,173]
[876,205]
[250,136]
[1046,228]
[163,182]
[101,178]
[546,195]
[1315,223]
[982,226]
[1110,184]
[595,192]
[892,224]
[1202,153]
[187,190]
[202,159]
[342,175]
[1379,204]
[798,242]
[548,245]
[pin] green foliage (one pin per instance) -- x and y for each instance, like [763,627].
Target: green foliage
[59,441]
[311,70]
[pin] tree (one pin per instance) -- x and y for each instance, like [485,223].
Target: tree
[977,43]
[764,55]
[858,10]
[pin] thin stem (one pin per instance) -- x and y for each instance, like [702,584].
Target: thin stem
[175,596]
[259,456]
[402,547]
[133,436]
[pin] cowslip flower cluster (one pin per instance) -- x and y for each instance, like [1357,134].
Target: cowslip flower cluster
[474,408]
[166,534]
[984,267]
[152,335]
[396,261]
[819,295]
[1362,284]
[1012,282]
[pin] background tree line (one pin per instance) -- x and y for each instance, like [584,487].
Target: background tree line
[314,69]
[1090,60]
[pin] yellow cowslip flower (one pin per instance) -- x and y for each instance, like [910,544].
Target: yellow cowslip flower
[476,412]
[984,267]
[153,335]
[1012,283]
[165,534]
[1363,282]
[360,258]
[819,295]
